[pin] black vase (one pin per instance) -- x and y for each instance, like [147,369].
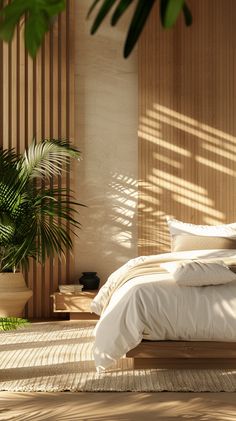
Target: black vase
[89,280]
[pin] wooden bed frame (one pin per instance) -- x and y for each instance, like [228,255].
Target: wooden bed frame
[183,354]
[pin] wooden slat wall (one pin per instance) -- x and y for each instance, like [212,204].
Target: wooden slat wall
[37,101]
[187,124]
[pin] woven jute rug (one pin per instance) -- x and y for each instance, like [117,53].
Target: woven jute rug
[57,356]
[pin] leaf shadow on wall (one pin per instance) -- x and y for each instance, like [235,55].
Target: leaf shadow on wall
[112,209]
[187,171]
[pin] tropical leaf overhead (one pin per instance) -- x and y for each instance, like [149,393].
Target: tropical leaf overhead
[29,213]
[169,12]
[39,16]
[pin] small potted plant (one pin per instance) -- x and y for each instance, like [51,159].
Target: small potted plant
[30,208]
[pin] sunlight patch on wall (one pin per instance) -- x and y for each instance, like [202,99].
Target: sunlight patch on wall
[217,167]
[220,151]
[153,137]
[204,127]
[176,179]
[187,129]
[173,187]
[167,160]
[181,126]
[192,204]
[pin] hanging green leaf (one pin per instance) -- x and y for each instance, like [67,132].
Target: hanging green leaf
[105,9]
[141,14]
[35,28]
[37,14]
[120,10]
[92,7]
[187,15]
[10,15]
[170,10]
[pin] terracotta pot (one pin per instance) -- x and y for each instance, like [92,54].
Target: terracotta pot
[14,294]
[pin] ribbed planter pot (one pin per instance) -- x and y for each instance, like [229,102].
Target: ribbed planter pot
[14,294]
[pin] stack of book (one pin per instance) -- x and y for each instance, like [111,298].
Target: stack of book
[70,289]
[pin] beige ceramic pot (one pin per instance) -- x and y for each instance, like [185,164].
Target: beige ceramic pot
[14,294]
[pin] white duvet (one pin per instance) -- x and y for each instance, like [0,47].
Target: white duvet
[142,301]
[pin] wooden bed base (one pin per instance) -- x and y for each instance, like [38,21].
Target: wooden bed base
[183,354]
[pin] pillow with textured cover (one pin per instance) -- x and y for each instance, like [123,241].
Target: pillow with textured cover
[198,273]
[186,236]
[201,242]
[178,227]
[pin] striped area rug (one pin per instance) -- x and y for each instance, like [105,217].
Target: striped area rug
[57,356]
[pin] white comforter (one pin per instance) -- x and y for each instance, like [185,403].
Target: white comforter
[141,301]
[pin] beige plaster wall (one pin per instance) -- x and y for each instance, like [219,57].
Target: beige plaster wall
[106,89]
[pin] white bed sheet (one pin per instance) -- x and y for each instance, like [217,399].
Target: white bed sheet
[154,307]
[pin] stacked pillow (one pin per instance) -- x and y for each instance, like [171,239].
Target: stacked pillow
[186,237]
[199,273]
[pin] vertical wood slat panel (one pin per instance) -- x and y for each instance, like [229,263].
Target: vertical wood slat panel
[71,39]
[6,141]
[63,111]
[46,112]
[187,133]
[37,101]
[55,119]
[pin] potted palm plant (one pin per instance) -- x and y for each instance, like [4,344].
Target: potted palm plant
[30,208]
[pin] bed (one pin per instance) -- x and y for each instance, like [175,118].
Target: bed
[146,316]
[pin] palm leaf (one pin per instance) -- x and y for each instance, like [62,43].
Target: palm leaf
[105,9]
[19,253]
[10,323]
[170,10]
[120,10]
[8,159]
[92,7]
[37,14]
[35,222]
[36,27]
[187,15]
[141,14]
[7,229]
[46,158]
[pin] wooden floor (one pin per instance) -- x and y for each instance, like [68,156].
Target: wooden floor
[117,406]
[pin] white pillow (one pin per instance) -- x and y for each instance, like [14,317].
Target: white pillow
[177,227]
[187,242]
[199,273]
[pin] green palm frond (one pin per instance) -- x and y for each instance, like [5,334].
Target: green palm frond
[8,159]
[12,323]
[120,10]
[104,10]
[35,221]
[38,16]
[46,158]
[169,12]
[21,249]
[138,21]
[7,229]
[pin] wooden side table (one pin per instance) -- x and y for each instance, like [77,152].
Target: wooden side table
[78,305]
